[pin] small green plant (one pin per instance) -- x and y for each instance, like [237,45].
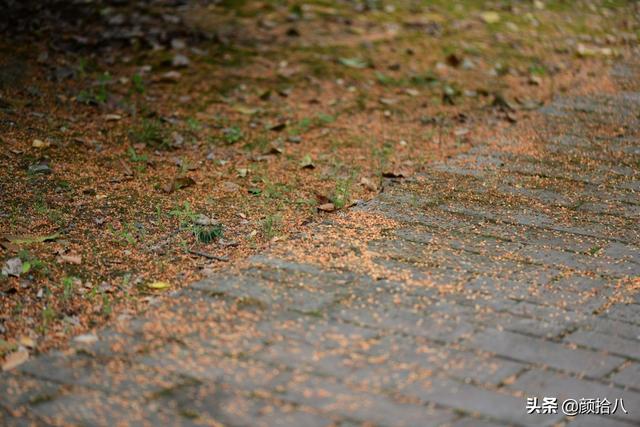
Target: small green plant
[208,234]
[31,264]
[49,314]
[185,214]
[102,94]
[187,218]
[275,190]
[124,236]
[193,124]
[137,83]
[325,119]
[385,80]
[83,66]
[98,95]
[382,155]
[135,157]
[341,193]
[426,79]
[107,307]
[271,225]
[232,134]
[151,132]
[67,288]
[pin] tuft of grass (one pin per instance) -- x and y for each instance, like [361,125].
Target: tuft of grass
[185,214]
[67,288]
[271,226]
[232,134]
[151,132]
[341,193]
[137,83]
[208,234]
[98,95]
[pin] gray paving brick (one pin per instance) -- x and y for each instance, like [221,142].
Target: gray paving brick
[544,352]
[334,398]
[625,312]
[629,375]
[611,343]
[614,327]
[468,398]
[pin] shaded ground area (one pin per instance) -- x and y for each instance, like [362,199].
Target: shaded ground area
[505,273]
[146,143]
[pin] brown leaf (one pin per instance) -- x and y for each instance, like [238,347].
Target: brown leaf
[322,199]
[178,183]
[15,359]
[70,259]
[127,170]
[327,207]
[368,184]
[183,181]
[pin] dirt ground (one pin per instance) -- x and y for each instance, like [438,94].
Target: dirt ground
[147,144]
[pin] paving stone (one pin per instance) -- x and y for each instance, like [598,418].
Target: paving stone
[544,352]
[614,327]
[613,344]
[217,401]
[471,399]
[625,312]
[125,379]
[18,390]
[331,397]
[97,409]
[628,375]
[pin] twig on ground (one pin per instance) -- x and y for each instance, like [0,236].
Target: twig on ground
[208,255]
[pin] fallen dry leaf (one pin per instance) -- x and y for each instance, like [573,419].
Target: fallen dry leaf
[86,339]
[15,359]
[178,183]
[368,184]
[38,143]
[158,285]
[70,259]
[327,207]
